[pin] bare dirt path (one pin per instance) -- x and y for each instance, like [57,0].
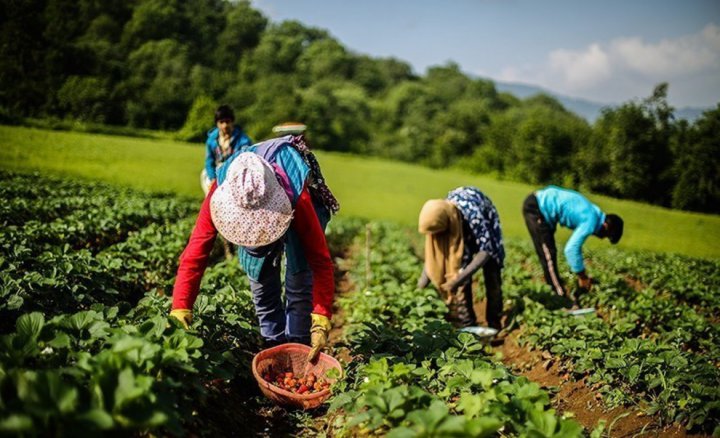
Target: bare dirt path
[569,395]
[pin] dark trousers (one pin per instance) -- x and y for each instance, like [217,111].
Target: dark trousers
[282,321]
[543,237]
[462,307]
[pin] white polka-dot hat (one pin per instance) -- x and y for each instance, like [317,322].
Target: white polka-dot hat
[250,208]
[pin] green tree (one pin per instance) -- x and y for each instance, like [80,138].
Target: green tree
[409,113]
[279,49]
[159,72]
[323,59]
[534,142]
[199,119]
[152,20]
[629,151]
[261,104]
[85,97]
[698,166]
[461,129]
[22,50]
[242,32]
[377,76]
[447,82]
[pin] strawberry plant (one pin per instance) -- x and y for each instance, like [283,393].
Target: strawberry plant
[414,374]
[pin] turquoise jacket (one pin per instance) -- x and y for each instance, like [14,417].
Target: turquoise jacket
[297,171]
[571,210]
[213,153]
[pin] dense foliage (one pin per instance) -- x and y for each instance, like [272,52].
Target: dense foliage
[653,343]
[85,341]
[165,64]
[414,375]
[86,345]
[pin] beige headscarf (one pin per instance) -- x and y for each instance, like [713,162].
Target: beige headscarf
[441,223]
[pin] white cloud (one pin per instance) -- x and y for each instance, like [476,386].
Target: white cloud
[676,57]
[581,69]
[629,67]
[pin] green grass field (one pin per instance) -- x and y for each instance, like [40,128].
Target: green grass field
[366,187]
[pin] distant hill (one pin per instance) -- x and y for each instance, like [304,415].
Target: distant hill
[588,109]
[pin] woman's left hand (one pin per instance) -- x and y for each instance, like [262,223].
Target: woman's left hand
[318,335]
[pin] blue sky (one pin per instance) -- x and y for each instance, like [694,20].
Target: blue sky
[606,51]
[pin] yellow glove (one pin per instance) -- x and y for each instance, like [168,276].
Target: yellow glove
[182,315]
[318,334]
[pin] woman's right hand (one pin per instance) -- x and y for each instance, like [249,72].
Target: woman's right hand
[182,315]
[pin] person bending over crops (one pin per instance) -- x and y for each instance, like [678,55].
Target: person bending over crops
[462,235]
[545,209]
[222,142]
[271,199]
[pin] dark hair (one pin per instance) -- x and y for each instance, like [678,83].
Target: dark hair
[614,227]
[224,112]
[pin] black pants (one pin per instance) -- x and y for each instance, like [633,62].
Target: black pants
[543,238]
[461,309]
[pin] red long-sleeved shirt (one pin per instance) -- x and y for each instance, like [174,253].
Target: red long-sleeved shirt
[194,259]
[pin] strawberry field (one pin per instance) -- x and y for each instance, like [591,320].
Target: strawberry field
[86,346]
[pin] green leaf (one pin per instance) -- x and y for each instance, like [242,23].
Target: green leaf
[126,389]
[599,429]
[453,425]
[431,417]
[483,427]
[544,421]
[127,343]
[615,362]
[333,373]
[29,325]
[111,312]
[340,401]
[570,429]
[471,405]
[80,320]
[61,394]
[402,432]
[14,302]
[155,327]
[16,423]
[61,340]
[98,418]
[633,373]
[358,419]
[377,402]
[483,377]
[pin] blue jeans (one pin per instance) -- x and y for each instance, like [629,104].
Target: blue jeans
[280,321]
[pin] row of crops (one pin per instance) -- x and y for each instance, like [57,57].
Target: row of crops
[86,345]
[654,344]
[85,342]
[414,374]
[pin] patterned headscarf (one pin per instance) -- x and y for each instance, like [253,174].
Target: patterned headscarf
[441,223]
[317,181]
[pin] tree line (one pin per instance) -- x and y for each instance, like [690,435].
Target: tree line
[166,64]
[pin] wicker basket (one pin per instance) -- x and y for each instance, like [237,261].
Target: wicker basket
[293,357]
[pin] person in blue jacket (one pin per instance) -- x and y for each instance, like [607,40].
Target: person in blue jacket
[545,209]
[224,140]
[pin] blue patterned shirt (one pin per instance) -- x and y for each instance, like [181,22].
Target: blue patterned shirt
[481,217]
